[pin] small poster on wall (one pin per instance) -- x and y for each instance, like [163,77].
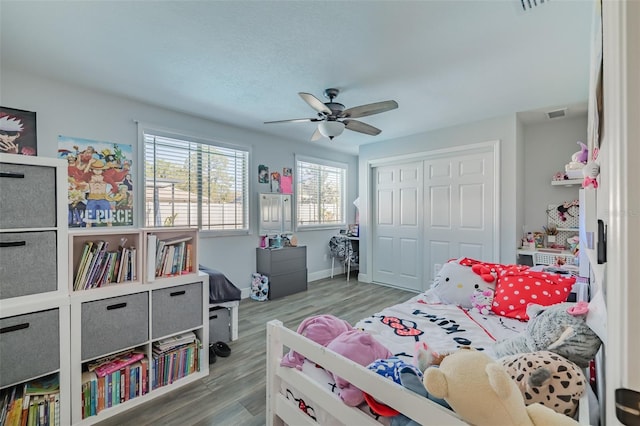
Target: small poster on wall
[99,182]
[286,182]
[18,132]
[263,174]
[275,182]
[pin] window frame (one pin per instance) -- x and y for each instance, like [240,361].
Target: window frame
[191,138]
[325,163]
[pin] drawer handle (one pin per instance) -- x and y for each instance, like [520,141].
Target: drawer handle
[13,243]
[14,328]
[116,306]
[14,175]
[213,317]
[177,293]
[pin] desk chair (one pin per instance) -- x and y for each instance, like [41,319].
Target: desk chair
[341,247]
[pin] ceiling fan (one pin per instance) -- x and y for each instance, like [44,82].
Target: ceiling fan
[333,118]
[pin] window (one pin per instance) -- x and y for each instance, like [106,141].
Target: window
[321,193]
[190,183]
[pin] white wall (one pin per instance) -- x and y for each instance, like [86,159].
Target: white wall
[548,146]
[68,110]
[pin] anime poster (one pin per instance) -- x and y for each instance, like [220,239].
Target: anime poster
[100,184]
[275,182]
[18,132]
[263,174]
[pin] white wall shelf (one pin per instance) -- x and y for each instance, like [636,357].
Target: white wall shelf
[566,182]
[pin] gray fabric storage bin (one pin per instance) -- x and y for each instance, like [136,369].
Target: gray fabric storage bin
[176,309]
[29,346]
[27,263]
[219,324]
[28,196]
[112,324]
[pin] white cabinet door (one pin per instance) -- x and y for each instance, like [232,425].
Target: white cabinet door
[275,214]
[397,230]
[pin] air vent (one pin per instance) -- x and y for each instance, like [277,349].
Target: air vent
[558,113]
[529,4]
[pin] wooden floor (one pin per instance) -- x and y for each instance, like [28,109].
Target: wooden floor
[234,392]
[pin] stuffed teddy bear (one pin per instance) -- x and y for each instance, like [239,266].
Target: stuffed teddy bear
[481,392]
[321,329]
[547,378]
[561,328]
[455,283]
[362,348]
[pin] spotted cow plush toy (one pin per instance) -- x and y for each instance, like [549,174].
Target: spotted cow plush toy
[547,378]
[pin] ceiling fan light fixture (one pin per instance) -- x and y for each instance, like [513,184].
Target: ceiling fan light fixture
[330,129]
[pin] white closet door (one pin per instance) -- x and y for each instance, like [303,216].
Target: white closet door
[397,220]
[459,209]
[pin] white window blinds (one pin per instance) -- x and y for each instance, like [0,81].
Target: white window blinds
[321,193]
[190,183]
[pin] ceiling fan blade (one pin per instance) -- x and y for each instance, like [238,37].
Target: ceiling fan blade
[359,126]
[316,135]
[369,109]
[295,120]
[315,103]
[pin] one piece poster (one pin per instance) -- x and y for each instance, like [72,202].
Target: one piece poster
[18,132]
[99,181]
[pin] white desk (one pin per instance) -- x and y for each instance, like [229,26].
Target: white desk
[543,256]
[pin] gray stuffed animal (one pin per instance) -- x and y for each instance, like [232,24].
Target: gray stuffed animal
[560,328]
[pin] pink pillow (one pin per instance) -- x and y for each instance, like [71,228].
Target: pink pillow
[517,289]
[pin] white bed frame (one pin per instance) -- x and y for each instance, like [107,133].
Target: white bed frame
[281,412]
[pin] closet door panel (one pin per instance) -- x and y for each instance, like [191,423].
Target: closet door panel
[397,230]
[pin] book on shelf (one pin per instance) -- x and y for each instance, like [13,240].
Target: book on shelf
[99,267]
[28,403]
[43,386]
[171,256]
[117,363]
[175,341]
[134,266]
[152,243]
[176,240]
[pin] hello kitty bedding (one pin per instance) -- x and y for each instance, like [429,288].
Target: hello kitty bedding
[470,303]
[423,318]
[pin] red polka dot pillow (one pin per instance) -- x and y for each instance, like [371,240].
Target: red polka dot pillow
[517,289]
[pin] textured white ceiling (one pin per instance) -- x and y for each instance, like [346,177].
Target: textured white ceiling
[243,62]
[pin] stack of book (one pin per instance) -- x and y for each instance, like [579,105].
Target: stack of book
[173,257]
[112,380]
[174,358]
[34,403]
[99,267]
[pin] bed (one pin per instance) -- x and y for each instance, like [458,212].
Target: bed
[308,395]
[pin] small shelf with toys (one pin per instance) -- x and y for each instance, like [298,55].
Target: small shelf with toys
[566,182]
